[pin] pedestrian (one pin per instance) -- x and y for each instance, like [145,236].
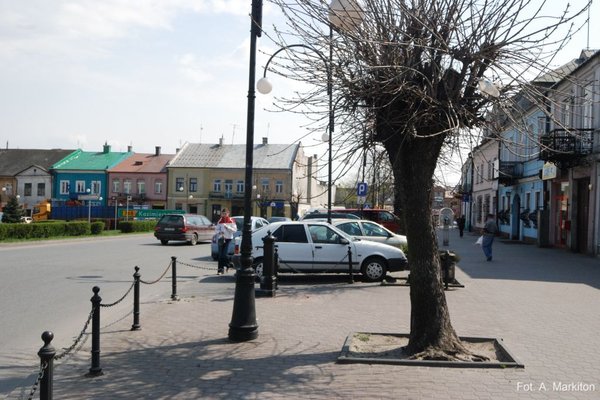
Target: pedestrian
[460,222]
[489,232]
[225,229]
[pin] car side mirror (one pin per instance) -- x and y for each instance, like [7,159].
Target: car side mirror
[344,241]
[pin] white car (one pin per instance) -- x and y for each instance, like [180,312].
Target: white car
[307,246]
[26,220]
[369,230]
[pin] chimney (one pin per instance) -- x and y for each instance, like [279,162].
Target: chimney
[221,141]
[129,149]
[106,148]
[265,140]
[157,151]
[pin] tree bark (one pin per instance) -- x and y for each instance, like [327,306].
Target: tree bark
[431,333]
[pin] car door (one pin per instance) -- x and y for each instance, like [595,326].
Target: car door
[206,228]
[294,250]
[329,253]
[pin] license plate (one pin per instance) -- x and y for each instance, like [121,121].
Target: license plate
[169,229]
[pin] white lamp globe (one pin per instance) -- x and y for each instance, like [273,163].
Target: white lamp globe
[325,137]
[264,86]
[345,14]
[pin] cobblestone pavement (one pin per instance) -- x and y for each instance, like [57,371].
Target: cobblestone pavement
[542,302]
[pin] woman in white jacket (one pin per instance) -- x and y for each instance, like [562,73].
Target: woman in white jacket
[225,229]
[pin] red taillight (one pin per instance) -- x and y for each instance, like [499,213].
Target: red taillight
[184,229]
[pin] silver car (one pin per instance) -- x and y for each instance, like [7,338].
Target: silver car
[317,247]
[369,230]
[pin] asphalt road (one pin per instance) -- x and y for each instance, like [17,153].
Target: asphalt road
[48,285]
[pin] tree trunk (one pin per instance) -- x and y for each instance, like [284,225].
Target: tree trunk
[431,333]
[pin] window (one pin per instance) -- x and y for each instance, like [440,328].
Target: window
[240,186]
[193,184]
[41,189]
[486,206]
[116,184]
[217,185]
[141,187]
[158,187]
[228,186]
[96,186]
[490,170]
[323,234]
[127,186]
[178,206]
[278,186]
[64,187]
[351,228]
[528,201]
[291,234]
[80,186]
[264,183]
[478,208]
[588,108]
[179,184]
[27,189]
[374,230]
[537,201]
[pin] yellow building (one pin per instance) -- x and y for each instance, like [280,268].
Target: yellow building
[204,178]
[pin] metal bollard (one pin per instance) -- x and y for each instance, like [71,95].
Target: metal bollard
[46,354]
[136,300]
[276,266]
[350,273]
[267,281]
[174,296]
[95,369]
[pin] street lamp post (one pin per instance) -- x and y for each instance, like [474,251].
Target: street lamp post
[243,325]
[343,15]
[115,200]
[88,191]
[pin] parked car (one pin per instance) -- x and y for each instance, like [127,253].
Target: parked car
[257,223]
[26,220]
[323,215]
[382,217]
[369,230]
[315,246]
[184,227]
[278,219]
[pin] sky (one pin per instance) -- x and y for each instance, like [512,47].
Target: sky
[143,73]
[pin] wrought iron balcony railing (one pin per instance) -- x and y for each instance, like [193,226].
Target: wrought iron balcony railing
[566,145]
[509,171]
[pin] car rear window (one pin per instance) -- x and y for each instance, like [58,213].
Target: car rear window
[171,220]
[291,234]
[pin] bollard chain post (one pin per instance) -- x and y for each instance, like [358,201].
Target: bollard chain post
[136,300]
[95,369]
[350,273]
[46,354]
[267,281]
[174,296]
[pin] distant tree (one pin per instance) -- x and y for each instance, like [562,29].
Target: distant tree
[419,74]
[12,211]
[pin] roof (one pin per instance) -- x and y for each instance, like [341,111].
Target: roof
[143,163]
[14,161]
[91,161]
[266,156]
[559,74]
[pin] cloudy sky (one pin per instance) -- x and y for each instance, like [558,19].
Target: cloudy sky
[145,73]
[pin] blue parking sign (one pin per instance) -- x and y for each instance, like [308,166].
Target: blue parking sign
[361,189]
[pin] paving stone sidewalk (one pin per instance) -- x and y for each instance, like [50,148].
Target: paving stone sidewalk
[542,302]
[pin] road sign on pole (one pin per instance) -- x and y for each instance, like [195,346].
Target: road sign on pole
[361,189]
[361,199]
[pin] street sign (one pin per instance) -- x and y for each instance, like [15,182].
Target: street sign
[361,189]
[361,199]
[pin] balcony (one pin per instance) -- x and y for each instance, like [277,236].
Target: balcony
[566,147]
[509,171]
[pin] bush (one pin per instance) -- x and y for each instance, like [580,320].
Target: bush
[97,227]
[137,226]
[77,228]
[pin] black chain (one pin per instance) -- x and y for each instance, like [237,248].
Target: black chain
[162,276]
[70,349]
[207,268]
[37,381]
[121,299]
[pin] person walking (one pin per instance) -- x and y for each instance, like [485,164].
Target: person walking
[489,232]
[460,222]
[225,229]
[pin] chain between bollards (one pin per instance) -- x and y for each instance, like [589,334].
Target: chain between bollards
[95,369]
[136,300]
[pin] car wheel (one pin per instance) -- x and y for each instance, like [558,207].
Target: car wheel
[374,269]
[164,242]
[194,240]
[258,268]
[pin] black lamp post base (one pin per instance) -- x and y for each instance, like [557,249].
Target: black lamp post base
[243,334]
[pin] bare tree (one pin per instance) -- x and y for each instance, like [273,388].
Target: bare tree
[413,70]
